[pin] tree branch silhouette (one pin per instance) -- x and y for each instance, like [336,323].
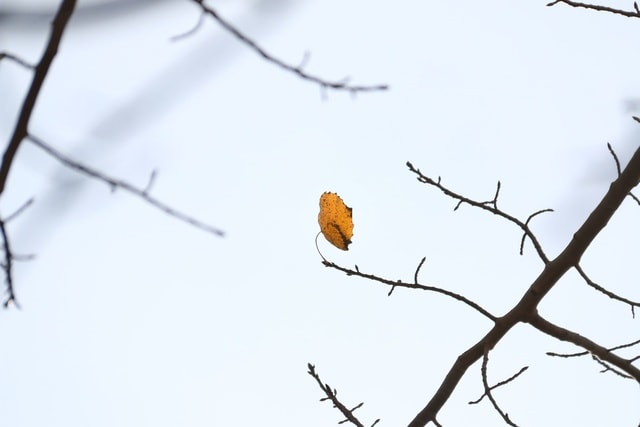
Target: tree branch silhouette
[525,311]
[635,13]
[490,206]
[297,70]
[41,70]
[116,184]
[415,285]
[16,59]
[332,395]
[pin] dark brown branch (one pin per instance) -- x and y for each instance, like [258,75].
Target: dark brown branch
[331,395]
[608,293]
[526,309]
[21,130]
[7,266]
[399,283]
[629,14]
[118,184]
[16,59]
[584,353]
[617,161]
[500,384]
[597,350]
[337,85]
[487,390]
[490,206]
[608,368]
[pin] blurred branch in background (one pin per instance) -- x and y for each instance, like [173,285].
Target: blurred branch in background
[122,115]
[298,70]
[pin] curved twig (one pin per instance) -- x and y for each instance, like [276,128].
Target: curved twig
[16,59]
[490,206]
[399,283]
[500,384]
[487,390]
[608,293]
[337,85]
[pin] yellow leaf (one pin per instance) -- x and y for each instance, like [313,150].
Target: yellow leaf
[335,220]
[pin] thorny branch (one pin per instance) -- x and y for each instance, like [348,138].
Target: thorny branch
[490,206]
[635,13]
[332,395]
[299,71]
[115,184]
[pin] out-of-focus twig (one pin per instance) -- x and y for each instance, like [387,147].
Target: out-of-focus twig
[115,184]
[297,70]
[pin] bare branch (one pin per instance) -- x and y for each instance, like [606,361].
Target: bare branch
[599,288]
[324,84]
[487,206]
[500,384]
[191,31]
[597,350]
[526,309]
[399,283]
[16,59]
[20,131]
[629,14]
[331,395]
[617,161]
[18,211]
[118,184]
[8,266]
[609,368]
[487,390]
[584,353]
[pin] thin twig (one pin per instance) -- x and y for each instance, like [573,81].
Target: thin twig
[190,31]
[584,353]
[617,161]
[599,288]
[602,353]
[609,368]
[18,211]
[487,390]
[500,384]
[331,395]
[399,283]
[8,266]
[487,206]
[337,85]
[118,184]
[16,59]
[629,14]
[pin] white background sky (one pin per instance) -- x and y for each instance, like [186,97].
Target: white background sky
[132,318]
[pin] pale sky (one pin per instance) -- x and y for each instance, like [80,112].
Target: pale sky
[132,318]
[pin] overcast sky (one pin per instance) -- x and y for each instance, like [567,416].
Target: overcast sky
[132,318]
